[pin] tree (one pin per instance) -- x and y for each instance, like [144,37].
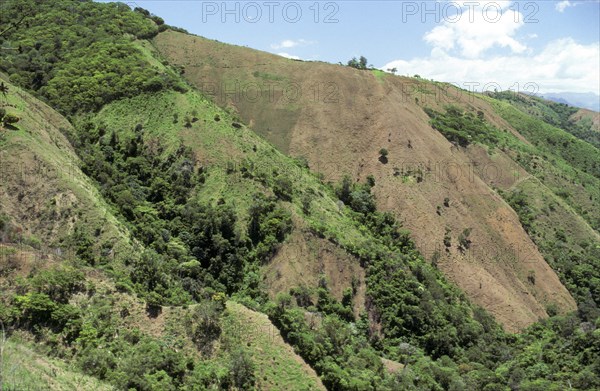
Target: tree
[242,368]
[463,239]
[283,188]
[8,119]
[204,325]
[24,9]
[383,153]
[361,63]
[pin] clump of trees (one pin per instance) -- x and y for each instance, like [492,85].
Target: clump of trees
[360,63]
[86,63]
[462,127]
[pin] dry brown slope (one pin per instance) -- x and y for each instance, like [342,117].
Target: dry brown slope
[339,121]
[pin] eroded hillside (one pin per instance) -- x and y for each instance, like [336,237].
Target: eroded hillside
[339,119]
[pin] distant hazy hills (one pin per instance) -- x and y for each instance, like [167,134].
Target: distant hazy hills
[587,100]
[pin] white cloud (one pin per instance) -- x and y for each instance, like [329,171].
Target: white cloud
[289,43]
[478,27]
[287,55]
[560,7]
[563,65]
[461,49]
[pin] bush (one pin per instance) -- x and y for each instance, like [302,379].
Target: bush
[462,128]
[204,325]
[59,283]
[283,188]
[9,119]
[383,155]
[268,226]
[463,239]
[242,369]
[35,308]
[358,64]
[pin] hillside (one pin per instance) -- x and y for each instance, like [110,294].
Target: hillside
[156,236]
[279,368]
[24,369]
[46,197]
[353,114]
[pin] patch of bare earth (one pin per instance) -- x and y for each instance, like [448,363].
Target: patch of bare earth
[304,258]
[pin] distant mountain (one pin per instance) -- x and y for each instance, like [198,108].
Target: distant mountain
[587,100]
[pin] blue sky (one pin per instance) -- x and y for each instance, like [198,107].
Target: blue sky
[551,46]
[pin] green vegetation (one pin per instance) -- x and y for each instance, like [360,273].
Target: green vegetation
[572,256]
[426,324]
[208,204]
[261,342]
[555,114]
[463,128]
[550,139]
[576,260]
[25,369]
[361,63]
[558,159]
[87,65]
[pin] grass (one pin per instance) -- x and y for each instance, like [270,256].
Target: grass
[267,76]
[379,75]
[37,159]
[571,167]
[23,370]
[218,145]
[277,366]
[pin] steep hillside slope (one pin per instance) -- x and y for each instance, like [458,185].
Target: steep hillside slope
[24,369]
[594,118]
[339,119]
[49,202]
[279,368]
[205,226]
[208,204]
[54,218]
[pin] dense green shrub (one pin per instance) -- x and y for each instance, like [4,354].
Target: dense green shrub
[78,54]
[268,226]
[461,127]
